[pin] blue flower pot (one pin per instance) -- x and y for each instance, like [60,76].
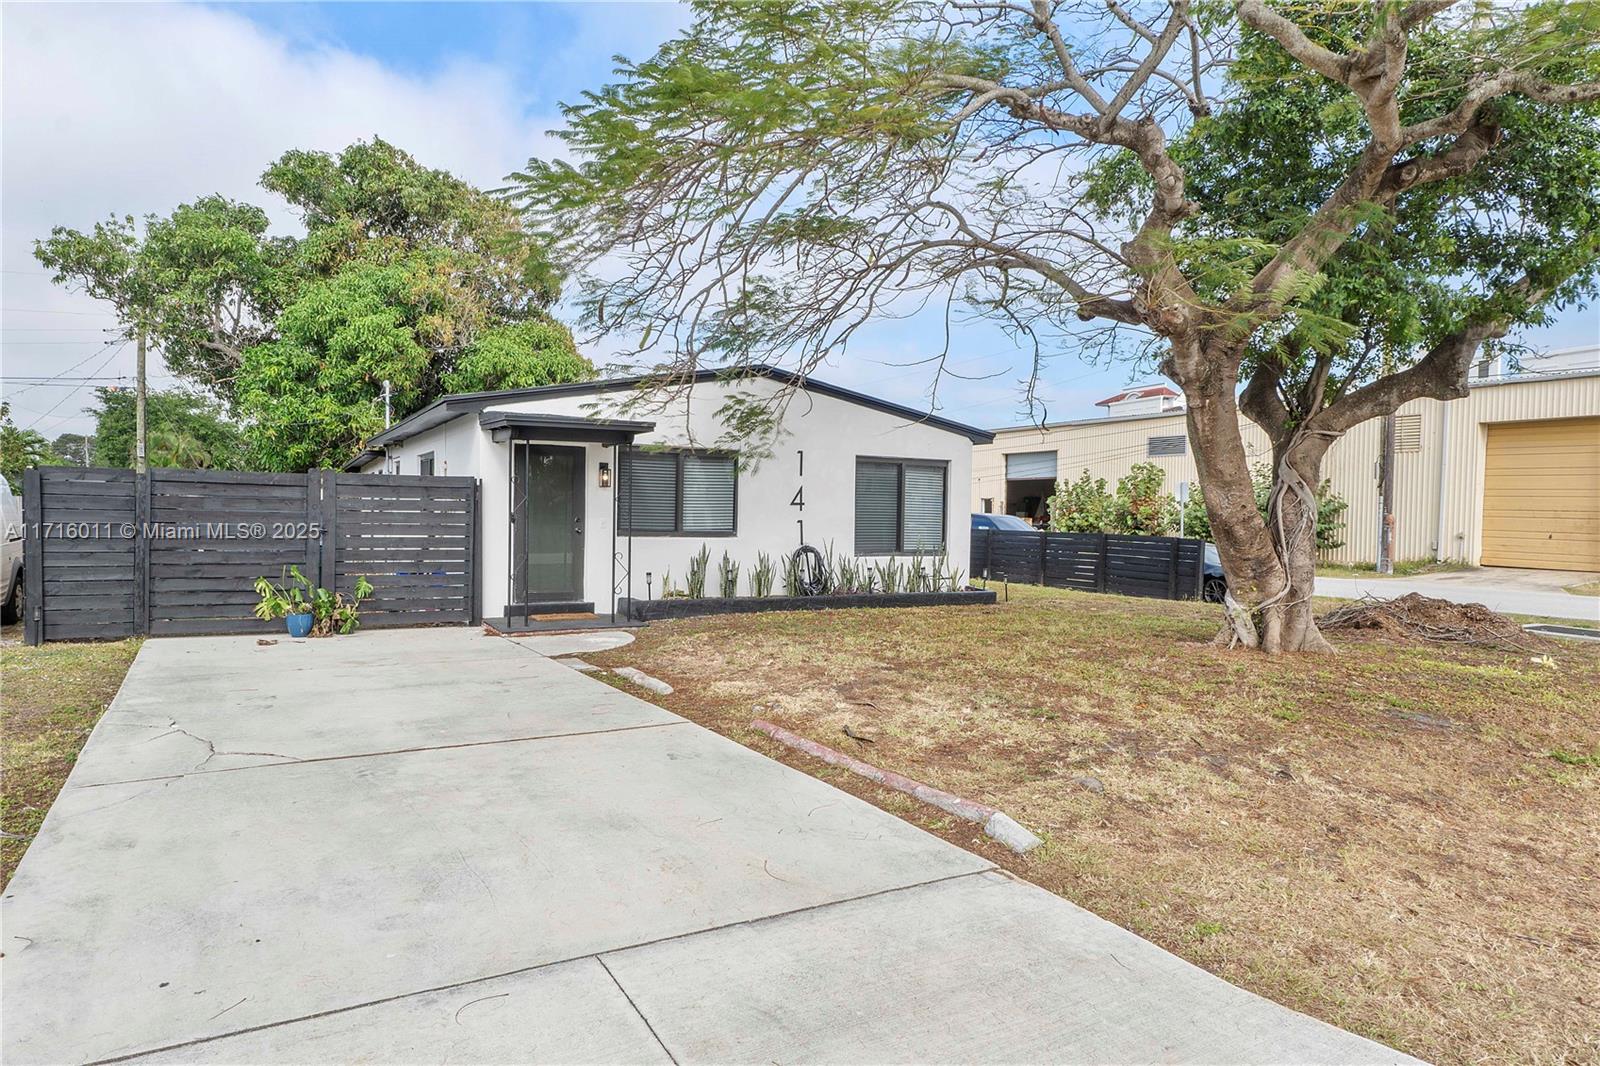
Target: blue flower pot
[299,624]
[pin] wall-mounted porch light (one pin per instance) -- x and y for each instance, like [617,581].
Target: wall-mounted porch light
[605,475]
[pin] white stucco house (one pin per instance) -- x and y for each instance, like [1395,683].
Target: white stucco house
[592,492]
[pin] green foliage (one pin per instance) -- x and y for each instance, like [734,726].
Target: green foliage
[519,355]
[74,448]
[762,575]
[1140,506]
[1083,506]
[1266,159]
[727,577]
[1330,509]
[21,448]
[295,594]
[182,430]
[405,274]
[699,564]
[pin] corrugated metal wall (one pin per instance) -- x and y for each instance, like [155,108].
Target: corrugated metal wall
[1108,447]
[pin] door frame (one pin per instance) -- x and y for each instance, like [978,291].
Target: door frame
[520,506]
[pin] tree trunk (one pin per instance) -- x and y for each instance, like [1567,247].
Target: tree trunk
[1292,525]
[1271,566]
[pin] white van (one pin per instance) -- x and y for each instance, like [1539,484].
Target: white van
[11,559]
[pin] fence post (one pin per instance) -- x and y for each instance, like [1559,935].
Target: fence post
[1102,565]
[313,563]
[1200,570]
[1172,570]
[1041,537]
[32,557]
[328,570]
[141,554]
[475,555]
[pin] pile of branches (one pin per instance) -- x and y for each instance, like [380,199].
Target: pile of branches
[1418,617]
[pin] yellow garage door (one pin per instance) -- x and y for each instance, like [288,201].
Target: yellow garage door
[1541,495]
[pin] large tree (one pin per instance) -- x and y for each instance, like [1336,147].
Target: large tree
[404,274]
[1324,209]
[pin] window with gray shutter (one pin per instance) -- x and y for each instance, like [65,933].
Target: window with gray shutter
[877,508]
[1178,444]
[924,509]
[900,506]
[708,486]
[665,493]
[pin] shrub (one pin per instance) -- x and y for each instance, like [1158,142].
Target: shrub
[1140,506]
[1083,506]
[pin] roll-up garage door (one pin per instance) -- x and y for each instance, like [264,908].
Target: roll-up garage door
[1028,466]
[1541,495]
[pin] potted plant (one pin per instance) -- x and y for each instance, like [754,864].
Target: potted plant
[310,610]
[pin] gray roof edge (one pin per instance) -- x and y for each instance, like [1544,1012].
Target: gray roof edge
[446,408]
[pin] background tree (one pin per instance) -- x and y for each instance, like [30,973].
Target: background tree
[192,431]
[74,448]
[405,274]
[782,173]
[20,449]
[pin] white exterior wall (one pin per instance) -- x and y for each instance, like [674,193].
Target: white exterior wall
[831,432]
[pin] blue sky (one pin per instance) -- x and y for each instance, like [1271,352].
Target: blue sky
[136,108]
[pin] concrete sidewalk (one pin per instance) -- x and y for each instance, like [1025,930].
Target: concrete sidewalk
[1504,598]
[435,845]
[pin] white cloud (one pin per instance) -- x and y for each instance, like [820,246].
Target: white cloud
[137,108]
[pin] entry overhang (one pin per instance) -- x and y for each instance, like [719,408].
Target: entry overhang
[524,425]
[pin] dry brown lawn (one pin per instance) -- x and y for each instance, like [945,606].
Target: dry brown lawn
[50,699]
[1403,840]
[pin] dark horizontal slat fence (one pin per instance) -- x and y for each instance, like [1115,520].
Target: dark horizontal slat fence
[1161,567]
[175,552]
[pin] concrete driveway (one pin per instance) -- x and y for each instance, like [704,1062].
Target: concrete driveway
[435,846]
[1511,591]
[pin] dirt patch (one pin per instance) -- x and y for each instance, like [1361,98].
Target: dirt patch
[1418,617]
[1398,839]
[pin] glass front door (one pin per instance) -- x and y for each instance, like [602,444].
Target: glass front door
[549,523]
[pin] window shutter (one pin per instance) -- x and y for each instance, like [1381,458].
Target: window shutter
[924,508]
[649,492]
[1174,445]
[708,485]
[877,508]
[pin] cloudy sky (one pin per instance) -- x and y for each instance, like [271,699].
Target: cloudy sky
[135,108]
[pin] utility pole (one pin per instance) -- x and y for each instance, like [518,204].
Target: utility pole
[386,392]
[1386,487]
[1386,499]
[138,410]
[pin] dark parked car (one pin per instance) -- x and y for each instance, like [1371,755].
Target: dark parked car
[1006,523]
[1213,583]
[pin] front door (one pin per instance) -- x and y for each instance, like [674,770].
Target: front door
[548,523]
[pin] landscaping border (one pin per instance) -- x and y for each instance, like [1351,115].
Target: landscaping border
[685,607]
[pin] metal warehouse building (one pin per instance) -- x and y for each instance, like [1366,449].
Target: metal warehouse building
[1509,475]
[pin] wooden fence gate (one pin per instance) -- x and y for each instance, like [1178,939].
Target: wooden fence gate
[1170,568]
[111,554]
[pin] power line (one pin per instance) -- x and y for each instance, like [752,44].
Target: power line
[48,311]
[114,353]
[58,377]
